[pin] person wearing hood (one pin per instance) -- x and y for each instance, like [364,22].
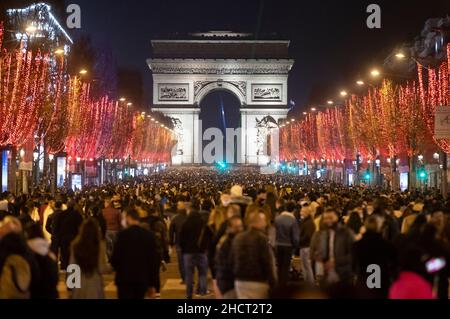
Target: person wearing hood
[46,286]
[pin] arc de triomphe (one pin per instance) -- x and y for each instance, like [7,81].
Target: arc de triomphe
[187,70]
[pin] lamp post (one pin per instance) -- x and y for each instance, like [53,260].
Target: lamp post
[378,169]
[444,177]
[358,167]
[35,167]
[51,158]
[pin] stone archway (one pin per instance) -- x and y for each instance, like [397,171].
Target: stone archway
[220,110]
[202,89]
[186,71]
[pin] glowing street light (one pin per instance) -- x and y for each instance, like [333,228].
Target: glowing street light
[330,102]
[131,104]
[400,56]
[344,93]
[122,99]
[293,120]
[360,82]
[313,109]
[83,72]
[375,73]
[31,29]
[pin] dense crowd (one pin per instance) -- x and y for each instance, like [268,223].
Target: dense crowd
[257,236]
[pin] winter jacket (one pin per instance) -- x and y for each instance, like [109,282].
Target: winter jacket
[135,257]
[46,286]
[343,250]
[192,233]
[158,227]
[175,228]
[252,257]
[287,232]
[307,228]
[372,249]
[224,266]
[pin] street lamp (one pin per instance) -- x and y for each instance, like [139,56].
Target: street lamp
[313,109]
[400,56]
[122,99]
[436,156]
[83,71]
[360,82]
[36,154]
[330,102]
[305,113]
[59,51]
[31,29]
[375,73]
[344,93]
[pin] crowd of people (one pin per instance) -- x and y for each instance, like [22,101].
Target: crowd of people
[245,235]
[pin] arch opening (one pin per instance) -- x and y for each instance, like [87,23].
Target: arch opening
[220,110]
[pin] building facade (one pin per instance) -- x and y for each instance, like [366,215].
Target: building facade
[186,70]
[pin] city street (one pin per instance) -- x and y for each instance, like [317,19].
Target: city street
[224,151]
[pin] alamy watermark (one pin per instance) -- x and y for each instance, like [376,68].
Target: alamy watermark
[259,146]
[374,19]
[374,279]
[73,20]
[73,279]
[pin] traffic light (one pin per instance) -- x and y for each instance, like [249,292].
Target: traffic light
[222,166]
[367,175]
[422,174]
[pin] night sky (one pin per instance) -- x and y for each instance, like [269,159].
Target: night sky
[330,41]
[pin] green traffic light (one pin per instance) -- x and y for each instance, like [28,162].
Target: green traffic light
[423,175]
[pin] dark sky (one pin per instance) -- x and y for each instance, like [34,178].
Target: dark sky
[331,43]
